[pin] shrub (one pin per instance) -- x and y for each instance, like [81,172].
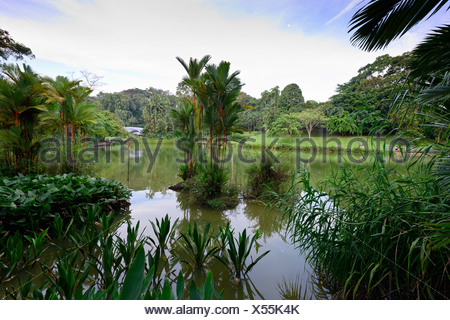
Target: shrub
[209,187]
[31,202]
[266,176]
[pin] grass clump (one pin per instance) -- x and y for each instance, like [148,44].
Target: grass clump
[266,176]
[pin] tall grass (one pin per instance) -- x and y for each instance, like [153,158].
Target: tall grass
[376,232]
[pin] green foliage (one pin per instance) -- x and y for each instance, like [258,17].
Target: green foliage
[156,115]
[310,119]
[19,252]
[286,123]
[209,187]
[266,176]
[115,269]
[197,247]
[237,253]
[380,22]
[367,97]
[111,123]
[213,106]
[164,231]
[344,124]
[212,179]
[187,171]
[33,108]
[22,101]
[291,99]
[371,229]
[33,201]
[9,47]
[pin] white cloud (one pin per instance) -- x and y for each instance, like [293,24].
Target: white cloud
[349,7]
[118,39]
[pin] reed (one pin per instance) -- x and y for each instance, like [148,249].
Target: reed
[376,232]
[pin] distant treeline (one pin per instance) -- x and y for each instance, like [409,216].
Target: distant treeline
[359,105]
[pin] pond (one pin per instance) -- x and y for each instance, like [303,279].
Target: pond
[284,272]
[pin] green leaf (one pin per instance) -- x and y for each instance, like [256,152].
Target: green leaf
[132,284]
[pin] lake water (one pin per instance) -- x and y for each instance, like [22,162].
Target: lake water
[282,273]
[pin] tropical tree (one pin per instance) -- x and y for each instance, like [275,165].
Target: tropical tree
[194,70]
[291,99]
[71,110]
[9,47]
[184,119]
[61,92]
[270,101]
[22,100]
[344,124]
[310,119]
[287,123]
[221,91]
[215,108]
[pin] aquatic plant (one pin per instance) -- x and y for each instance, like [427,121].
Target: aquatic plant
[107,275]
[237,253]
[164,231]
[372,230]
[198,247]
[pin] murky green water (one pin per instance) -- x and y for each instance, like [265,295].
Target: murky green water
[282,271]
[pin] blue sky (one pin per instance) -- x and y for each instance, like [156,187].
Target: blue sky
[134,43]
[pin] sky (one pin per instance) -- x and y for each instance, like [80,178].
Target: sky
[133,43]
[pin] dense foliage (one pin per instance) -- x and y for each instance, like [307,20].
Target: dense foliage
[149,109]
[10,48]
[31,202]
[373,232]
[35,108]
[362,102]
[379,234]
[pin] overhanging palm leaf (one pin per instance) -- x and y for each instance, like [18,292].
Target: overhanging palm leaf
[382,21]
[432,56]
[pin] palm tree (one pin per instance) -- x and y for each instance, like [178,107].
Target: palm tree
[183,116]
[184,119]
[194,70]
[222,91]
[69,95]
[21,102]
[193,80]
[62,91]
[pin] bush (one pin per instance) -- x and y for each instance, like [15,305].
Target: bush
[266,176]
[31,202]
[209,188]
[187,172]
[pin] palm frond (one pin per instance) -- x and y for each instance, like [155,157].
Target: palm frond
[432,56]
[381,21]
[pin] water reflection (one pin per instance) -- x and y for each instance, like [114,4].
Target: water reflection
[283,273]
